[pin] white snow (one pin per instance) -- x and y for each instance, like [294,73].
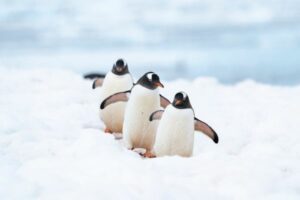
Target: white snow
[52,145]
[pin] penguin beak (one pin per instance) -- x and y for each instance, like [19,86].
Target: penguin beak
[178,102]
[119,69]
[159,84]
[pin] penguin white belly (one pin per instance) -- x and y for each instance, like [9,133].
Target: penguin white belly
[175,133]
[113,115]
[138,131]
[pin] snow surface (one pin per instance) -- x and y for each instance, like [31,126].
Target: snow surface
[52,145]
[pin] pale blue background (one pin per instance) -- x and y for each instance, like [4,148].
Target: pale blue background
[231,40]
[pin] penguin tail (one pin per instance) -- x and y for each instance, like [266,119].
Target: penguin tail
[93,76]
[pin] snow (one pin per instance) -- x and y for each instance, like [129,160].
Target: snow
[52,144]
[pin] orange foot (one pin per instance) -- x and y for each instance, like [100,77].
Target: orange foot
[108,131]
[148,154]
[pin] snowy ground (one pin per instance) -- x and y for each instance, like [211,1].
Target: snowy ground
[52,145]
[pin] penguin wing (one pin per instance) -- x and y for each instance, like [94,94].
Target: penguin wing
[164,102]
[94,76]
[120,96]
[98,83]
[206,129]
[156,115]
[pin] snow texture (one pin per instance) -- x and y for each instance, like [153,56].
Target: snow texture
[52,145]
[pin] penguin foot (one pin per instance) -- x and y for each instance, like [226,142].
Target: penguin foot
[148,154]
[107,130]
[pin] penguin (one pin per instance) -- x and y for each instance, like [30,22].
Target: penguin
[175,133]
[94,76]
[116,80]
[142,100]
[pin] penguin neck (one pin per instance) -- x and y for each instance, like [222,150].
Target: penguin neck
[183,106]
[140,90]
[114,83]
[116,76]
[114,71]
[145,99]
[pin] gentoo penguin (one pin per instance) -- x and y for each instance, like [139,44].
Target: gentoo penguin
[143,99]
[117,80]
[175,133]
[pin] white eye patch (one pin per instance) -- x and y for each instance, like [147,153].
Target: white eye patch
[150,75]
[184,95]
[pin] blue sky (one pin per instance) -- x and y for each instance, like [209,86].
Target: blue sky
[229,40]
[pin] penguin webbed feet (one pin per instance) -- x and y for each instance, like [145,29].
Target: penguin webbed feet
[144,152]
[108,131]
[148,154]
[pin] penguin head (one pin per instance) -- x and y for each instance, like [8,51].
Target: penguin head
[150,80]
[120,67]
[181,101]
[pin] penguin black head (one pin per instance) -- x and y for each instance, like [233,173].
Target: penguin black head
[181,101]
[120,67]
[150,80]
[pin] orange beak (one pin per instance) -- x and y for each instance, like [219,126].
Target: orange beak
[119,69]
[178,102]
[159,84]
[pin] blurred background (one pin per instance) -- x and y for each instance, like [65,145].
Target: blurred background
[231,40]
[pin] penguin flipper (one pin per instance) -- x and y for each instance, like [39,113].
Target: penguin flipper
[98,83]
[164,102]
[206,129]
[156,115]
[120,96]
[94,75]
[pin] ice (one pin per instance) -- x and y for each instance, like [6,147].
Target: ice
[52,144]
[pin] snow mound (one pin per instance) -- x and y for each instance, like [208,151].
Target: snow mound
[52,145]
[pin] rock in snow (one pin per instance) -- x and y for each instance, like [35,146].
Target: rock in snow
[52,145]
